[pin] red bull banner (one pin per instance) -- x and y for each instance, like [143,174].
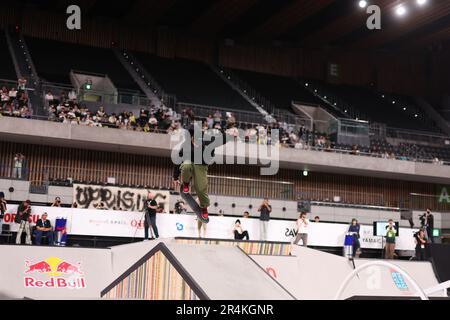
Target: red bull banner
[54,273]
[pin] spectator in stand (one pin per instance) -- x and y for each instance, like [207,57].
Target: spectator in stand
[22,84]
[12,94]
[2,209]
[22,218]
[18,165]
[317,219]
[210,122]
[391,233]
[72,95]
[239,233]
[221,213]
[74,205]
[44,228]
[302,230]
[57,202]
[265,209]
[246,215]
[49,98]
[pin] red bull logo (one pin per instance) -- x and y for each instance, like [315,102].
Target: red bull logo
[63,274]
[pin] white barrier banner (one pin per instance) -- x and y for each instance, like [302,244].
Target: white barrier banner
[131,224]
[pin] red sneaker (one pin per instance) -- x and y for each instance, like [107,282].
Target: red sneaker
[204,216]
[186,187]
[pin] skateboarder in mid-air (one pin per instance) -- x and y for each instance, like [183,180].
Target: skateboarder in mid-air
[196,173]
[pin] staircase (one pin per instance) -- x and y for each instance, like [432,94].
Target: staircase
[25,68]
[143,78]
[335,105]
[433,114]
[243,89]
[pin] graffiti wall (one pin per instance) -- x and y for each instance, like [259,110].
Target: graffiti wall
[117,198]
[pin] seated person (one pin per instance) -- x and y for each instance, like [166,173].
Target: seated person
[239,234]
[44,228]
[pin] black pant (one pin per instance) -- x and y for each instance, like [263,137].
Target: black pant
[240,236]
[420,254]
[150,219]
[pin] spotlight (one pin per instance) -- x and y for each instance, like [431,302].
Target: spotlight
[401,10]
[325,97]
[393,102]
[421,2]
[404,109]
[305,173]
[362,4]
[306,84]
[416,115]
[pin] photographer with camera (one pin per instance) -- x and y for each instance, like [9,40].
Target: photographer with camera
[180,207]
[427,224]
[22,218]
[57,202]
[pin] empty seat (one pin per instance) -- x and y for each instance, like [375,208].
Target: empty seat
[54,60]
[193,82]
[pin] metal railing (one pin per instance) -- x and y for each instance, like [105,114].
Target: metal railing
[340,196]
[204,111]
[303,145]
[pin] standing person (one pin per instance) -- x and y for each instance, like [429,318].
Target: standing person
[391,233]
[150,215]
[18,164]
[302,229]
[44,228]
[265,209]
[22,217]
[421,242]
[201,226]
[2,209]
[354,230]
[57,202]
[239,233]
[427,224]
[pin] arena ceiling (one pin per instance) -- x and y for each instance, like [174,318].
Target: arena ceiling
[305,23]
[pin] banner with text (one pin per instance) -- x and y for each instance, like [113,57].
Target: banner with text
[103,223]
[126,199]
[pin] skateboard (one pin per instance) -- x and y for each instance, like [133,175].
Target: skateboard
[193,204]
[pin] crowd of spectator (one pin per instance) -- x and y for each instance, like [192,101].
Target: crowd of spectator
[66,109]
[14,102]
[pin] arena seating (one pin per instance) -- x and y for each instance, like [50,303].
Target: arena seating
[54,60]
[374,106]
[281,91]
[7,70]
[193,82]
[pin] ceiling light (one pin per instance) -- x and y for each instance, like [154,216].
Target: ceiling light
[421,2]
[401,10]
[362,4]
